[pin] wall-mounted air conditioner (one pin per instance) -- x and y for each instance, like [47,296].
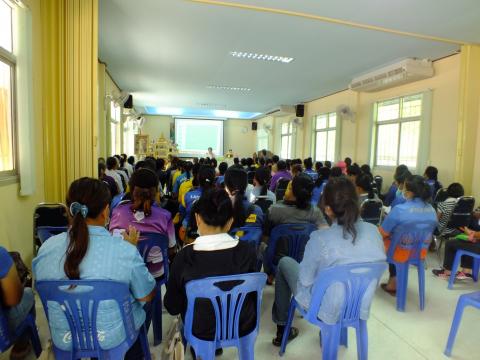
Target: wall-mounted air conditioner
[400,73]
[282,110]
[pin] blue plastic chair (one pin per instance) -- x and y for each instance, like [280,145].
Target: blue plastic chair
[297,234]
[117,199]
[413,237]
[80,306]
[251,234]
[227,306]
[145,244]
[46,232]
[472,299]
[356,279]
[7,339]
[456,263]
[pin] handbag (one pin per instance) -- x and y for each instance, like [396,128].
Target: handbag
[23,271]
[173,348]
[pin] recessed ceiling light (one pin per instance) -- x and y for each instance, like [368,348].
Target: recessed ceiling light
[264,57]
[229,88]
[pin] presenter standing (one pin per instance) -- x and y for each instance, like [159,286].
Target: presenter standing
[210,153]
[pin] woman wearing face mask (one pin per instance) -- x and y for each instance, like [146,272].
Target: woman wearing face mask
[88,251]
[415,208]
[400,179]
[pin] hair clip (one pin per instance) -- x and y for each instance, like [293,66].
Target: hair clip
[76,208]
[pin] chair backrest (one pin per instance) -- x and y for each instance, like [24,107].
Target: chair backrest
[5,336]
[297,235]
[250,176]
[79,299]
[50,214]
[355,279]
[462,212]
[281,187]
[227,304]
[116,201]
[412,239]
[46,232]
[147,241]
[378,180]
[251,234]
[441,195]
[371,211]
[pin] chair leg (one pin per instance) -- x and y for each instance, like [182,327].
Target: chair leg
[246,349]
[476,268]
[288,325]
[330,341]
[421,284]
[362,340]
[402,284]
[456,263]
[144,342]
[344,337]
[455,324]
[35,339]
[157,317]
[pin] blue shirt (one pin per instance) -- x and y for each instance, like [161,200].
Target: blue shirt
[410,211]
[220,180]
[399,199]
[254,214]
[317,193]
[312,173]
[327,247]
[190,198]
[390,196]
[108,257]
[6,262]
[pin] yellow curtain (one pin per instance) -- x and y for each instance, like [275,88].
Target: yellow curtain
[5,133]
[70,42]
[468,116]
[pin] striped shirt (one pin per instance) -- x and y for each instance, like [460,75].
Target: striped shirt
[445,208]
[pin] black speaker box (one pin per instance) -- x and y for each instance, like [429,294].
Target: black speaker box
[254,126]
[299,110]
[128,103]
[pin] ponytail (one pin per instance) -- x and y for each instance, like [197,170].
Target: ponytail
[340,195]
[87,198]
[262,176]
[143,200]
[236,182]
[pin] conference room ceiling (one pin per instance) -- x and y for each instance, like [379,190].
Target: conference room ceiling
[176,53]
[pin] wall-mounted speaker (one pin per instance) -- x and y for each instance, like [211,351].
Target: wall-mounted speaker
[128,104]
[299,110]
[254,125]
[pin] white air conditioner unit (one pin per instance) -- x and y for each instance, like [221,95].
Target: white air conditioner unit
[400,73]
[282,110]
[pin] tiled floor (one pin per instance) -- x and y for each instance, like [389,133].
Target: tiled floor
[392,335]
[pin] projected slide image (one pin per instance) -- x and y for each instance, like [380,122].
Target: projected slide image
[195,136]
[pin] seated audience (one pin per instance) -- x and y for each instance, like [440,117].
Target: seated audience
[16,302]
[187,185]
[308,164]
[348,162]
[161,173]
[323,176]
[472,244]
[415,208]
[349,240]
[280,173]
[431,177]
[185,168]
[364,188]
[112,185]
[244,213]
[112,166]
[366,170]
[296,170]
[260,181]
[343,166]
[214,253]
[328,164]
[145,215]
[400,179]
[222,168]
[88,251]
[353,171]
[336,172]
[445,209]
[295,208]
[392,191]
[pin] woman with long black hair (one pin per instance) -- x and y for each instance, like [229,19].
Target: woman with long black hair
[349,240]
[88,251]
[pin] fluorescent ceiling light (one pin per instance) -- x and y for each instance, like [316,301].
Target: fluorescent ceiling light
[230,88]
[264,57]
[201,113]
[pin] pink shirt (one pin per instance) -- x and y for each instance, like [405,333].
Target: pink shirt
[160,221]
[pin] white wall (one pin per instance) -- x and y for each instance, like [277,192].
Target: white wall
[237,134]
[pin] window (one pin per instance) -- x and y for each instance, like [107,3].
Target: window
[286,140]
[7,91]
[130,128]
[115,117]
[262,139]
[397,131]
[325,137]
